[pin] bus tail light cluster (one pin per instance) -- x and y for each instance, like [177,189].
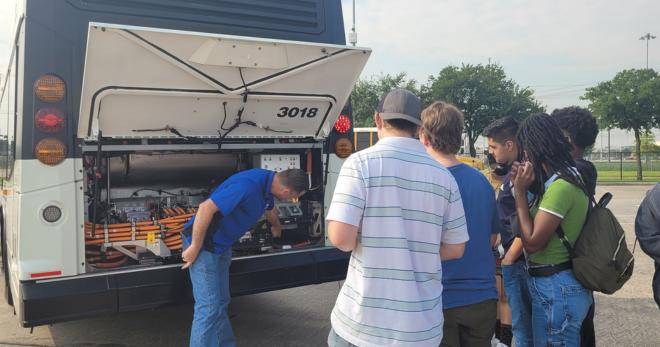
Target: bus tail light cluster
[50,151]
[343,146]
[343,124]
[49,120]
[50,89]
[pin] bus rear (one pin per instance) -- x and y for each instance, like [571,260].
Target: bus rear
[121,116]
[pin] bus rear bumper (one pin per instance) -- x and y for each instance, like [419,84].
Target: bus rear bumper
[47,302]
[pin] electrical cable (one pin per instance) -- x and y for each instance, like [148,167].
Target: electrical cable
[167,229]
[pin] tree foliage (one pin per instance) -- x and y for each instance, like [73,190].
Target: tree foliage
[631,101]
[483,93]
[648,144]
[368,92]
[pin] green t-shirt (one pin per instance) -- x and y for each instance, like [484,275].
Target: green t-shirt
[569,203]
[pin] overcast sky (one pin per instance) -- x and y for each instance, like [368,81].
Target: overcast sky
[556,47]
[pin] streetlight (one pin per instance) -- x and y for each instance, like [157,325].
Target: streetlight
[648,37]
[352,36]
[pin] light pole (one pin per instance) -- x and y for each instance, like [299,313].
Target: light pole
[648,37]
[352,36]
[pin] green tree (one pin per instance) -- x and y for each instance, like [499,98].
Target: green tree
[648,143]
[367,93]
[483,93]
[631,101]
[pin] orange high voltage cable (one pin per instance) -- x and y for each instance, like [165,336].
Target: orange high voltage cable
[168,229]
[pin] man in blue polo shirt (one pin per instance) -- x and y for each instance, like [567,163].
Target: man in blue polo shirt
[231,210]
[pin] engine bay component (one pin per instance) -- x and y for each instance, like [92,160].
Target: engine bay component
[138,204]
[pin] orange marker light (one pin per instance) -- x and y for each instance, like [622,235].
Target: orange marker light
[50,88]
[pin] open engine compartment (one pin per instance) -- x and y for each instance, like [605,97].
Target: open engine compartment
[138,202]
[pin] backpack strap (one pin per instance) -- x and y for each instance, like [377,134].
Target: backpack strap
[590,205]
[562,237]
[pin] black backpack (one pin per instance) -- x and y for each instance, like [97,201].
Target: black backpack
[600,256]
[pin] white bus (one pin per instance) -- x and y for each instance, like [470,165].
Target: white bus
[119,117]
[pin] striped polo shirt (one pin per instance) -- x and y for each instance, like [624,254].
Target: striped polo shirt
[405,204]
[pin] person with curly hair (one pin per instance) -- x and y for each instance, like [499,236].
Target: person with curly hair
[581,129]
[580,126]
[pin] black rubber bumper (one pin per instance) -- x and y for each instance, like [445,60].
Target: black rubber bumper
[90,296]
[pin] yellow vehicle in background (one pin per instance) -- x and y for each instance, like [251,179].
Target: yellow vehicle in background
[367,137]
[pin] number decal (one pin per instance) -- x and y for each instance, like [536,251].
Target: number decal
[293,112]
[312,112]
[283,112]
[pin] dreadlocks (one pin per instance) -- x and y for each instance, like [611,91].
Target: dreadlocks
[544,143]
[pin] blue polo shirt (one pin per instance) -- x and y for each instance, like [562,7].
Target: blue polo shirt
[471,279]
[242,199]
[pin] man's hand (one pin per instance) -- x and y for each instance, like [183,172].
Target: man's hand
[276,231]
[189,256]
[273,218]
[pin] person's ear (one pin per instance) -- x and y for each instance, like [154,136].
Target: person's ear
[378,120]
[422,137]
[508,144]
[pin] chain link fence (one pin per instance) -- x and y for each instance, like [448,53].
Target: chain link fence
[622,166]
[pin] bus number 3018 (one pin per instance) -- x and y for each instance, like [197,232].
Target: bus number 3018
[293,112]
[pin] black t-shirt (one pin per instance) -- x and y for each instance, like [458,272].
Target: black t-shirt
[506,209]
[589,174]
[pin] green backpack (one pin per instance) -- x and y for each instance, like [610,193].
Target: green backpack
[600,256]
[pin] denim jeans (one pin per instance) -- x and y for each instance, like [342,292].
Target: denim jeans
[514,280]
[559,305]
[210,283]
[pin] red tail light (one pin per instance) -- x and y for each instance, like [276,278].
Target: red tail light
[343,124]
[49,120]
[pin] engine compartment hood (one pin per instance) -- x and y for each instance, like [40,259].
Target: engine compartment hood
[153,83]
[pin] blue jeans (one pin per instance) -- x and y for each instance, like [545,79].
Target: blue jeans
[210,283]
[514,280]
[559,305]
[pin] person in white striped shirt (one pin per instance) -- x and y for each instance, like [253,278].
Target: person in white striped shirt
[400,213]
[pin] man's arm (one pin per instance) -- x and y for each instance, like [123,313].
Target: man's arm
[202,220]
[494,240]
[449,251]
[274,219]
[342,235]
[514,252]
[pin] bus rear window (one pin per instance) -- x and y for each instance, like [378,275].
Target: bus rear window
[299,16]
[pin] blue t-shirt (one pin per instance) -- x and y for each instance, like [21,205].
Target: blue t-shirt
[471,279]
[242,200]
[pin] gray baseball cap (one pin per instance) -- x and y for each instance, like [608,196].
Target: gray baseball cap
[400,104]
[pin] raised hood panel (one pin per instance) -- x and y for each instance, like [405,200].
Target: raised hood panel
[144,82]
